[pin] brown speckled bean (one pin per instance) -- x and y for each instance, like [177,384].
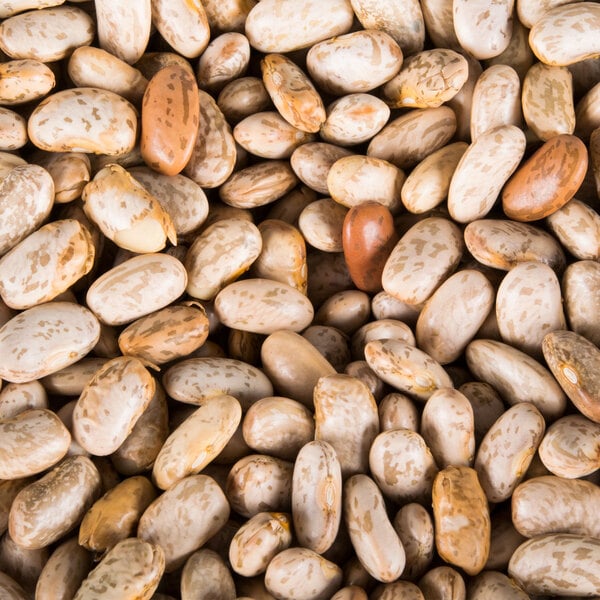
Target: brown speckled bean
[414,526]
[207,571]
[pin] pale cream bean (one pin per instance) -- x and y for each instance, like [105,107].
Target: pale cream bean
[548,101]
[71,380]
[258,541]
[428,183]
[447,426]
[331,343]
[462,102]
[64,571]
[361,370]
[582,306]
[507,449]
[414,527]
[46,263]
[124,29]
[347,311]
[516,376]
[502,244]
[45,510]
[528,306]
[486,404]
[354,119]
[70,172]
[115,516]
[427,79]
[206,575]
[84,120]
[443,582]
[18,397]
[227,15]
[439,22]
[380,329]
[197,441]
[373,537]
[282,255]
[183,25]
[269,135]
[13,130]
[346,417]
[294,365]
[31,442]
[403,21]
[131,570]
[8,161]
[321,224]
[518,53]
[574,559]
[136,287]
[496,100]
[577,227]
[408,139]
[397,411]
[257,483]
[184,517]
[462,519]
[469,297]
[555,505]
[24,80]
[273,26]
[243,97]
[531,11]
[317,496]
[386,306]
[495,585]
[63,29]
[571,447]
[69,332]
[566,34]
[111,403]
[17,6]
[352,180]
[225,58]
[402,465]
[483,31]
[482,170]
[214,154]
[425,255]
[258,184]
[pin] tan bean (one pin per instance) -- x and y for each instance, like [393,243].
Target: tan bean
[18,397]
[441,583]
[225,58]
[347,311]
[350,592]
[206,572]
[439,23]
[71,380]
[414,527]
[587,117]
[462,103]
[496,585]
[24,80]
[70,172]
[321,224]
[381,329]
[486,404]
[243,97]
[397,589]
[581,305]
[397,411]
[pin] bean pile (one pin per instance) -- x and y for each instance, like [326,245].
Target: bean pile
[300,299]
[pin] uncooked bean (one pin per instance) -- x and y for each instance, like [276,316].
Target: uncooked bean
[225,58]
[24,80]
[397,589]
[443,583]
[381,329]
[493,585]
[505,539]
[346,311]
[397,411]
[71,380]
[205,570]
[586,113]
[331,343]
[321,224]
[70,172]
[486,403]
[18,397]
[243,97]
[582,306]
[414,527]
[10,589]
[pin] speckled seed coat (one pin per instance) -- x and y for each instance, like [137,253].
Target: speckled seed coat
[24,80]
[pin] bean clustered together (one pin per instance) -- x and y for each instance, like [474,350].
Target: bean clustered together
[299,299]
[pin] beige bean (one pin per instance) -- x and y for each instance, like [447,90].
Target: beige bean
[350,592]
[329,275]
[529,12]
[18,397]
[225,58]
[414,527]
[10,589]
[397,589]
[317,496]
[258,483]
[214,153]
[507,449]
[575,363]
[577,227]
[469,297]
[439,22]
[196,380]
[17,6]
[24,80]
[397,411]
[347,311]
[70,172]
[581,304]
[483,31]
[197,441]
[46,509]
[486,404]
[496,100]
[71,331]
[403,21]
[496,153]
[274,27]
[115,516]
[64,571]
[548,100]
[502,244]
[566,34]
[124,30]
[428,183]
[496,585]
[574,558]
[427,79]
[321,224]
[184,517]
[400,478]
[294,365]
[31,442]
[443,582]
[346,417]
[67,122]
[570,447]
[462,102]
[516,376]
[518,53]
[8,161]
[408,139]
[587,116]
[373,537]
[136,287]
[380,329]
[205,575]
[132,569]
[45,263]
[13,134]
[243,97]
[71,380]
[462,519]
[111,403]
[9,488]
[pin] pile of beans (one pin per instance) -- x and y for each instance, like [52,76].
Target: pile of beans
[300,299]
